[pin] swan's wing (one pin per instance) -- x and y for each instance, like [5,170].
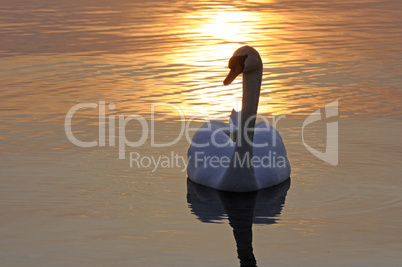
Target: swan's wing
[209,154]
[235,117]
[271,164]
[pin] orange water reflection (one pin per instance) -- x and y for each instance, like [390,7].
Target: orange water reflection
[56,54]
[138,54]
[218,33]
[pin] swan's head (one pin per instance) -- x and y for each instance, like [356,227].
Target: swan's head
[244,60]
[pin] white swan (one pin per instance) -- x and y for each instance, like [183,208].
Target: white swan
[258,157]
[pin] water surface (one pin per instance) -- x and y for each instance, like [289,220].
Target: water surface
[64,205]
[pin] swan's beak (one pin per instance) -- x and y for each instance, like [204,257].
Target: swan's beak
[232,75]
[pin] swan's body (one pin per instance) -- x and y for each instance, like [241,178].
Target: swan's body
[258,157]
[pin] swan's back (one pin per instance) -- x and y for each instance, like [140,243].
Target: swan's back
[207,164]
[272,166]
[202,168]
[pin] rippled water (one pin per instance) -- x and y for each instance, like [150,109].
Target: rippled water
[64,205]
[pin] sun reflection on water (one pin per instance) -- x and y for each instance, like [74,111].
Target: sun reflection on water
[211,39]
[228,24]
[179,55]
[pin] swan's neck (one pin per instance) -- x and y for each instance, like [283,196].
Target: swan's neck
[240,176]
[251,96]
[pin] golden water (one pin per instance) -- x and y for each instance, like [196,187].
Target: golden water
[64,205]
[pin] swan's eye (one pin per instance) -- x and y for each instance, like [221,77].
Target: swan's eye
[237,61]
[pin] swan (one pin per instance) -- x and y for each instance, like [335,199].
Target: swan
[242,156]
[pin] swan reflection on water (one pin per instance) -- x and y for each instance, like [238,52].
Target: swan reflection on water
[242,210]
